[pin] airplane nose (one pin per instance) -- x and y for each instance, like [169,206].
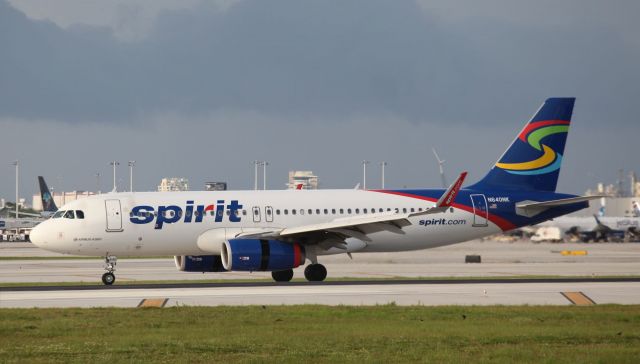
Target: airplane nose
[37,236]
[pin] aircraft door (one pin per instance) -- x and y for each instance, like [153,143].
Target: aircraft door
[256,214]
[268,214]
[480,210]
[114,215]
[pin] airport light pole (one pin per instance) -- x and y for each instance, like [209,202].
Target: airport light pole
[383,164]
[264,174]
[17,164]
[364,174]
[114,164]
[256,163]
[131,164]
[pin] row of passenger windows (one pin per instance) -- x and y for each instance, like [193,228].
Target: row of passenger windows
[69,214]
[269,212]
[342,211]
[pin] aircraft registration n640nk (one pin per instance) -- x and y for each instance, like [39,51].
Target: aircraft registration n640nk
[278,231]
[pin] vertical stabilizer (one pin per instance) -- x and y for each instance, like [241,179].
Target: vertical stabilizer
[533,160]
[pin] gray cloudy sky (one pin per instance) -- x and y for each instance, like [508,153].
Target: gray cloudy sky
[201,88]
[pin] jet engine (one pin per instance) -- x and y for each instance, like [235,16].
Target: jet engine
[198,263]
[261,255]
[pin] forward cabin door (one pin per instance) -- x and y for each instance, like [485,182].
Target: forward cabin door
[114,215]
[480,210]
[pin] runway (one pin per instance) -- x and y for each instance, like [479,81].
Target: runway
[428,293]
[361,281]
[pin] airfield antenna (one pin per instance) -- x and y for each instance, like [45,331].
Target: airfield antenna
[441,166]
[114,164]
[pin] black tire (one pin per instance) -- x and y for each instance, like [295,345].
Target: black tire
[108,278]
[282,275]
[315,272]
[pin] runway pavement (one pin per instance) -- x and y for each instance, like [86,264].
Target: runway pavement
[499,260]
[477,293]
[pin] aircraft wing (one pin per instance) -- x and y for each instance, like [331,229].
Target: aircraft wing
[359,226]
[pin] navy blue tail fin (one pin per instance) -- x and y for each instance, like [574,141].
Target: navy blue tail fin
[533,160]
[48,205]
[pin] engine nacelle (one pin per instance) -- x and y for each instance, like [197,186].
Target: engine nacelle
[261,255]
[198,263]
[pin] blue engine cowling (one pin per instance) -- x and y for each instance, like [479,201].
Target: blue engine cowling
[199,263]
[261,255]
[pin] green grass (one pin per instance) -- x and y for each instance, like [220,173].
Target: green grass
[547,334]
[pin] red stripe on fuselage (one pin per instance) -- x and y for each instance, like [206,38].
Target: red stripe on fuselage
[499,221]
[538,124]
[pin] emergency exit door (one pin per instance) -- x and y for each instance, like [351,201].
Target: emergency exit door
[114,215]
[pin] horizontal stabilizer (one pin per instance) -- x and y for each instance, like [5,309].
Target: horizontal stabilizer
[532,208]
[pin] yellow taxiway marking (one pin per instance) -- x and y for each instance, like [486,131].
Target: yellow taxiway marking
[153,302]
[578,298]
[573,252]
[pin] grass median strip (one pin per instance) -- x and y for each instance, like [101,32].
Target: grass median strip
[386,333]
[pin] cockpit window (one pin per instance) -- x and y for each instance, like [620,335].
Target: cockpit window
[69,215]
[58,214]
[80,214]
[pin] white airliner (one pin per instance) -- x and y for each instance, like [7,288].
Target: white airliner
[278,231]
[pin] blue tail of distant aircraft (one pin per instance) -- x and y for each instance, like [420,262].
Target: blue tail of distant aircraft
[533,160]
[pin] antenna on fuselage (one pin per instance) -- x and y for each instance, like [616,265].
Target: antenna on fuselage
[441,165]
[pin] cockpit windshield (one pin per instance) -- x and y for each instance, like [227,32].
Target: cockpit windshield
[58,214]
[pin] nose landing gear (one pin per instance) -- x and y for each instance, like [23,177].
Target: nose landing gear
[110,266]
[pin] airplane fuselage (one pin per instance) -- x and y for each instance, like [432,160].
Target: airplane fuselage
[174,223]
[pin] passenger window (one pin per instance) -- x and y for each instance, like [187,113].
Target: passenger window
[293,212]
[69,215]
[277,212]
[364,211]
[357,211]
[404,210]
[301,211]
[244,212]
[286,212]
[420,209]
[269,212]
[397,210]
[381,210]
[413,210]
[333,211]
[79,214]
[341,211]
[317,211]
[348,211]
[326,211]
[310,211]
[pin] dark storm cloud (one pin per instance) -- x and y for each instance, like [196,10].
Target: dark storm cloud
[324,58]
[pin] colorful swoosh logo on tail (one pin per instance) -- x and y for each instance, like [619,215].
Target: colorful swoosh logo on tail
[533,134]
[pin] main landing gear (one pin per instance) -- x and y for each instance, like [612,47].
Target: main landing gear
[110,266]
[313,273]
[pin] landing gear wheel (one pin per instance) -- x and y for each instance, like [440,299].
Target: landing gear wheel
[315,272]
[282,275]
[110,262]
[108,278]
